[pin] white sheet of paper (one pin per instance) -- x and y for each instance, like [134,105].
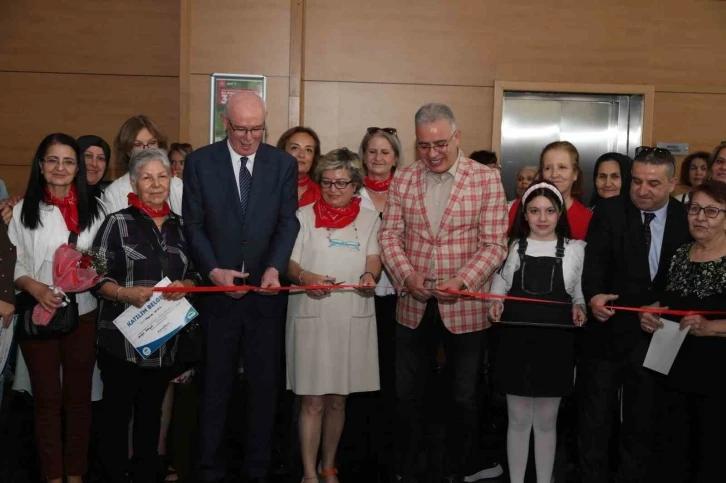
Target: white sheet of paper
[149,327]
[664,346]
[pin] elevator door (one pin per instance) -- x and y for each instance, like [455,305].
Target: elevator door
[594,123]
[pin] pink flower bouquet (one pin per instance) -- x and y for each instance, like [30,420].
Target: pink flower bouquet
[73,271]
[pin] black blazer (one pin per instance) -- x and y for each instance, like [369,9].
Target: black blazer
[616,262]
[216,231]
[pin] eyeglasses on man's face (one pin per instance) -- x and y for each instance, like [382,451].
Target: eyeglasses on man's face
[438,145]
[710,211]
[243,131]
[341,184]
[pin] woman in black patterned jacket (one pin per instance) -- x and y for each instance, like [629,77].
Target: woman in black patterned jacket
[132,382]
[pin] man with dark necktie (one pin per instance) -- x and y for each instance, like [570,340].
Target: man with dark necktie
[240,198]
[630,243]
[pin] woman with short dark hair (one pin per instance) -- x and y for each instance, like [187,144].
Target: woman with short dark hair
[692,405]
[694,171]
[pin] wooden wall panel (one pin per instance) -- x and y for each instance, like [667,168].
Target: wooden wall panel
[15,178]
[412,42]
[241,37]
[474,42]
[341,112]
[277,109]
[39,104]
[134,37]
[690,118]
[199,110]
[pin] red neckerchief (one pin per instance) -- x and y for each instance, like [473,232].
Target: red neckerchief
[312,192]
[378,184]
[137,203]
[68,207]
[327,216]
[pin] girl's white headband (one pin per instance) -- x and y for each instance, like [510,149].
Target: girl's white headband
[538,186]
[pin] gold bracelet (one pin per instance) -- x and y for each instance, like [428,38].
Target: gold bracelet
[118,292]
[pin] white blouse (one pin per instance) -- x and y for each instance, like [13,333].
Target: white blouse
[572,265]
[35,248]
[116,196]
[384,286]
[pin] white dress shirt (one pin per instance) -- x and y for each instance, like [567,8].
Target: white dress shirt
[236,164]
[657,230]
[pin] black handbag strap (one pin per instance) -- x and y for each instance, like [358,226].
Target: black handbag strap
[73,241]
[145,225]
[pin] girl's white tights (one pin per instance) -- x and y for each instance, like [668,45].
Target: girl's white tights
[526,413]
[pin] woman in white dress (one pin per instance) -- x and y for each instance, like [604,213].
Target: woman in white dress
[330,337]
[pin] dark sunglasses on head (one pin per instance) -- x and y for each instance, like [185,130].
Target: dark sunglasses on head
[390,130]
[643,151]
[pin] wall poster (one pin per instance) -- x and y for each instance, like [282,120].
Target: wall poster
[224,86]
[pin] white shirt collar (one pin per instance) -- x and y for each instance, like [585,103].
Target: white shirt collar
[660,213]
[237,164]
[236,159]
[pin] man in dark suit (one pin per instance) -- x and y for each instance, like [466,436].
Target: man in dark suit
[630,242]
[240,198]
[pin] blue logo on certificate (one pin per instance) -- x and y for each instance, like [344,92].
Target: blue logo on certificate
[151,326]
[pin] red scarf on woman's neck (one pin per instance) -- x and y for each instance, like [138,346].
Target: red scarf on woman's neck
[379,185]
[137,203]
[68,207]
[311,194]
[327,216]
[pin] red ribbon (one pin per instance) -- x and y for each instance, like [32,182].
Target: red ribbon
[477,295]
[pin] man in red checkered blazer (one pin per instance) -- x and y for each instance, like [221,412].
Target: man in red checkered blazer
[444,228]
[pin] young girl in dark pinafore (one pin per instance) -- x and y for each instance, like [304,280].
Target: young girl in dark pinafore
[535,363]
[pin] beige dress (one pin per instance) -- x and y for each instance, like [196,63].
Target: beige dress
[331,342]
